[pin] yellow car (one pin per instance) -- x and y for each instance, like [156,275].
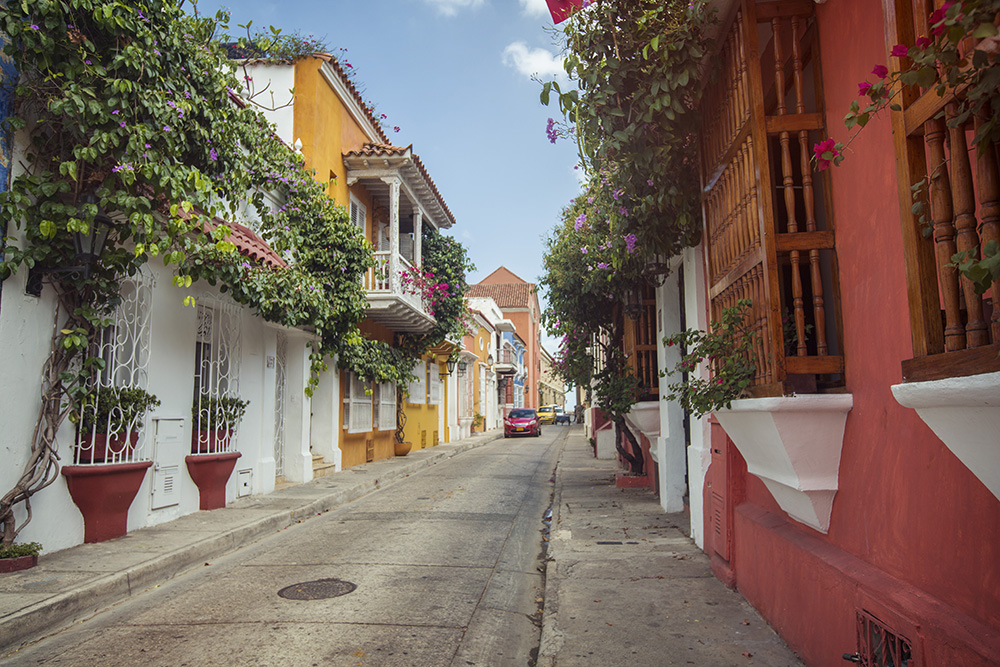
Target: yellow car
[547,414]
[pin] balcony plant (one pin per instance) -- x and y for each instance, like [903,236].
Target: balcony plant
[729,349]
[19,556]
[111,419]
[214,418]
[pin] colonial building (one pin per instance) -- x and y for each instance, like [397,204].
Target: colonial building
[518,300]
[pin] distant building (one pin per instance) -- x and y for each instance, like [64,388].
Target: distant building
[518,300]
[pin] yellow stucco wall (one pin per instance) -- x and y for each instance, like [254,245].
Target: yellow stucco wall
[481,348]
[422,418]
[327,131]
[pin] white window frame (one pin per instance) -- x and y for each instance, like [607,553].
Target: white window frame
[387,406]
[358,406]
[417,388]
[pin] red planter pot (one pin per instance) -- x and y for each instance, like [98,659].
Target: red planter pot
[210,442]
[17,564]
[117,444]
[104,493]
[210,473]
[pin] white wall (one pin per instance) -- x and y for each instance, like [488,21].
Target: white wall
[700,450]
[25,332]
[275,102]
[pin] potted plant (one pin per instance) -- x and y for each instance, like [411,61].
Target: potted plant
[214,419]
[110,422]
[19,556]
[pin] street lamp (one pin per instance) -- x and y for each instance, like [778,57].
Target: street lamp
[87,247]
[462,366]
[451,365]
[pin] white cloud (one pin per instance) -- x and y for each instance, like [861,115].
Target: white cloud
[534,7]
[451,7]
[531,62]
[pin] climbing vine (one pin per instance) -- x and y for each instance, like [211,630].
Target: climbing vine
[637,67]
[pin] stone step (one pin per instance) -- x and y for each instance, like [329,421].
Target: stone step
[323,469]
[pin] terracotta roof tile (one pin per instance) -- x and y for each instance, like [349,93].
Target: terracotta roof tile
[506,295]
[387,149]
[249,244]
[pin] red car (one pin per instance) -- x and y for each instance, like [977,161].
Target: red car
[522,421]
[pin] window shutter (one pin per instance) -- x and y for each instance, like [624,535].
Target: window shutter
[358,214]
[387,407]
[361,406]
[435,384]
[416,388]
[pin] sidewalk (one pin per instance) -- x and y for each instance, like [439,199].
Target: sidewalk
[624,585]
[76,583]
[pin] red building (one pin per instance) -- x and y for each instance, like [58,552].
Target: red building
[854,498]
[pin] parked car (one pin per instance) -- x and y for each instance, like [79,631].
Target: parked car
[561,416]
[547,414]
[522,421]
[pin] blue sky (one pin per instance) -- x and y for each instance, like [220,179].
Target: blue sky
[455,76]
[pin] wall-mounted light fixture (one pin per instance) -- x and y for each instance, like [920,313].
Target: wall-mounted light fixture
[88,247]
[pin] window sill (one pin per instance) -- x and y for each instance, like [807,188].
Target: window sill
[964,412]
[793,444]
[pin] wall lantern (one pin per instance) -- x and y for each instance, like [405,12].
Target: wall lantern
[88,247]
[451,365]
[462,366]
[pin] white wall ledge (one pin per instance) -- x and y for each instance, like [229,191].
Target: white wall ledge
[793,444]
[964,412]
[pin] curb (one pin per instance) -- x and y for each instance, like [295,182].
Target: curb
[53,614]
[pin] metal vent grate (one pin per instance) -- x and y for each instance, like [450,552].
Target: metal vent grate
[881,646]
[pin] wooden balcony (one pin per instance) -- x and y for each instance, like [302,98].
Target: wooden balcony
[389,303]
[955,331]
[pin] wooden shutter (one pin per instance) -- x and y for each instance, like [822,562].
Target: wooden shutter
[435,377]
[360,405]
[767,242]
[387,407]
[416,388]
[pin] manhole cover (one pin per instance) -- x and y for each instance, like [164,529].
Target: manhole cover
[317,590]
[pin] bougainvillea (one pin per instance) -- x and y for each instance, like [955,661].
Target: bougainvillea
[637,67]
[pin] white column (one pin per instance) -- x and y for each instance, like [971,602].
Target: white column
[393,182]
[669,446]
[700,451]
[418,228]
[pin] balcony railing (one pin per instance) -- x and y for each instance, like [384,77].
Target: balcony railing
[388,301]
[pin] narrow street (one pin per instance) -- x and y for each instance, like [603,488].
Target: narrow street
[445,562]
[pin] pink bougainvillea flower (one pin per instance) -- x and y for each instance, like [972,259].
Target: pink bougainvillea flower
[923,42]
[863,88]
[899,51]
[825,152]
[881,71]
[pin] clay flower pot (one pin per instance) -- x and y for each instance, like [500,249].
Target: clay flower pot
[121,445]
[19,563]
[210,442]
[403,448]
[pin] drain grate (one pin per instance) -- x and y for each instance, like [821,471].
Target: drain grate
[317,590]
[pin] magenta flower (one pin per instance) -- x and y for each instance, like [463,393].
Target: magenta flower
[881,71]
[923,42]
[166,128]
[583,249]
[899,51]
[213,155]
[581,220]
[863,88]
[34,27]
[825,152]
[550,131]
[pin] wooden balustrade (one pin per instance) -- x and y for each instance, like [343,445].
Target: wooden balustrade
[769,241]
[955,332]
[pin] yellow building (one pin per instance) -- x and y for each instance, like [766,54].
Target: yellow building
[391,197]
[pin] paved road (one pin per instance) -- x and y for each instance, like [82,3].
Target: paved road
[446,564]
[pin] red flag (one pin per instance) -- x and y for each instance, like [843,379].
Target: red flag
[561,9]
